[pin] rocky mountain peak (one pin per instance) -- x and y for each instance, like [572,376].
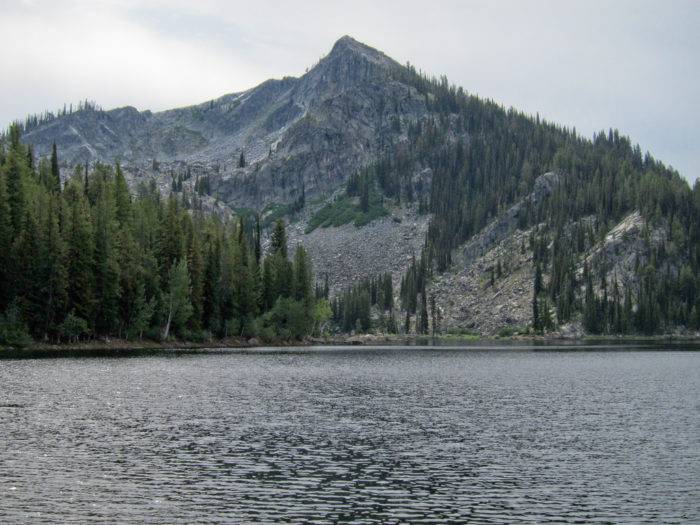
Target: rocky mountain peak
[347,48]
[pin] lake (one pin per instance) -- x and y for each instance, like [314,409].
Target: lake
[362,435]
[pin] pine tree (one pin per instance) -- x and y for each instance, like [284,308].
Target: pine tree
[30,282]
[53,255]
[171,245]
[80,246]
[245,302]
[6,238]
[627,313]
[195,265]
[279,239]
[106,268]
[55,172]
[536,290]
[15,168]
[257,239]
[30,157]
[590,312]
[142,314]
[302,275]
[268,285]
[132,276]
[282,276]
[434,315]
[122,197]
[422,327]
[211,308]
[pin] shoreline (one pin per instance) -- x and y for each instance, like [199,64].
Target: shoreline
[124,348]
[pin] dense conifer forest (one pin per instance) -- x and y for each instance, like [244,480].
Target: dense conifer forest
[484,158]
[89,260]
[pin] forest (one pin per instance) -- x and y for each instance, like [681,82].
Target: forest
[484,158]
[87,259]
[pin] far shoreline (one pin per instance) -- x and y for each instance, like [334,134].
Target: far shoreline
[126,348]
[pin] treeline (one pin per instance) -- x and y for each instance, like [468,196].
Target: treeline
[352,309]
[88,259]
[34,121]
[370,305]
[661,293]
[484,158]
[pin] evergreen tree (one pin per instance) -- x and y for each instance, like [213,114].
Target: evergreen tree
[106,269]
[15,168]
[591,306]
[257,239]
[122,196]
[142,313]
[279,239]
[268,295]
[80,247]
[6,238]
[536,289]
[434,315]
[53,256]
[211,308]
[30,282]
[55,172]
[422,327]
[195,265]
[302,275]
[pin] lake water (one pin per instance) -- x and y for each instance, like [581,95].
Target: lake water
[363,435]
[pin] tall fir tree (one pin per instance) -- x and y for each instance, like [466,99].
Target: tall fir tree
[55,171]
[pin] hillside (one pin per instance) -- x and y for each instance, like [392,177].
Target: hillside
[489,221]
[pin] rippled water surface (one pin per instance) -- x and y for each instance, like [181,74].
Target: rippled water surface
[369,435]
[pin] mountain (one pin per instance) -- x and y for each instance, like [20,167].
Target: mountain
[311,131]
[489,220]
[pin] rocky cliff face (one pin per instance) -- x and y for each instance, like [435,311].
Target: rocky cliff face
[297,135]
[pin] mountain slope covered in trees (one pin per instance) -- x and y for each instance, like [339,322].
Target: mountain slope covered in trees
[89,259]
[360,148]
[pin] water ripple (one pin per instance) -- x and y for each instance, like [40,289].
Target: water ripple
[384,436]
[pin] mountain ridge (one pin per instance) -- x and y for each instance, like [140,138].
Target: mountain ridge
[334,105]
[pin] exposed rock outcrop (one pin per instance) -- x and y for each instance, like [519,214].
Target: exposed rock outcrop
[297,134]
[347,253]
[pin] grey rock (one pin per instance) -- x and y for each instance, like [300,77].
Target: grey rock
[310,132]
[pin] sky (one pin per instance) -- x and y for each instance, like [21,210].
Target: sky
[593,64]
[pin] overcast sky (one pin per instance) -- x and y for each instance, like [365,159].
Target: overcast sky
[590,64]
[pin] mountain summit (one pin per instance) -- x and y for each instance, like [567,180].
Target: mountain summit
[331,120]
[348,46]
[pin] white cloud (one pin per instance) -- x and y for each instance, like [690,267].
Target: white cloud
[93,50]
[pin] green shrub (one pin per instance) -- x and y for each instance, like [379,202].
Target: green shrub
[13,331]
[195,336]
[345,210]
[510,331]
[464,332]
[74,327]
[288,320]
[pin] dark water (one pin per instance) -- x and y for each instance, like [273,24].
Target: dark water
[364,435]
